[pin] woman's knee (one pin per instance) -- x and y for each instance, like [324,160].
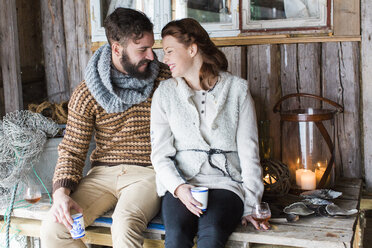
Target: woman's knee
[179,238]
[212,236]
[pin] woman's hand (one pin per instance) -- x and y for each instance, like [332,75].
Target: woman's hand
[183,192]
[263,225]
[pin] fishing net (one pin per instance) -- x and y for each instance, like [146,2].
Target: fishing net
[22,137]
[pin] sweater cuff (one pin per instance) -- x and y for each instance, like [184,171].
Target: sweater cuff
[174,185]
[66,183]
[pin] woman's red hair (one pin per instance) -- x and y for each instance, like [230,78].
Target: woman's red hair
[188,31]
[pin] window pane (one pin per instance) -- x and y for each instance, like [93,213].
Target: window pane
[146,6]
[284,9]
[204,11]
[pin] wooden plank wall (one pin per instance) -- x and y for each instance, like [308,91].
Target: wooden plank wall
[330,70]
[366,61]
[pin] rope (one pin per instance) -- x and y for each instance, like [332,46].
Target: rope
[8,219]
[42,183]
[55,111]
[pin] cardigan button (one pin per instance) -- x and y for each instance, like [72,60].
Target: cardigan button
[214,126]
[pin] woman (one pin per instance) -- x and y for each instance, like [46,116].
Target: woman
[204,133]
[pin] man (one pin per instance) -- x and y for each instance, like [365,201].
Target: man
[114,101]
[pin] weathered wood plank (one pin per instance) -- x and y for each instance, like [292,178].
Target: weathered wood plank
[263,68]
[83,39]
[54,51]
[71,39]
[342,86]
[78,42]
[10,61]
[366,63]
[346,17]
[289,82]
[234,58]
[331,89]
[309,73]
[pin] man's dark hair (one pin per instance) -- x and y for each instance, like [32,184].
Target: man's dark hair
[124,24]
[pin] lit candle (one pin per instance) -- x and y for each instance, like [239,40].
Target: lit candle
[308,180]
[298,176]
[319,171]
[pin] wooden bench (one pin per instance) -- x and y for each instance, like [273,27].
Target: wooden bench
[310,231]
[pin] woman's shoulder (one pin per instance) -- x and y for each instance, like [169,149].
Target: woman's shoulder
[166,87]
[235,82]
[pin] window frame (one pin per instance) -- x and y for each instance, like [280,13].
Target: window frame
[298,24]
[240,24]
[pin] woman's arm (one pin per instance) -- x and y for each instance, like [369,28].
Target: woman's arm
[248,151]
[162,148]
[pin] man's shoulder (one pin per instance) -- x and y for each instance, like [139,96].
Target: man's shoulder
[164,72]
[81,96]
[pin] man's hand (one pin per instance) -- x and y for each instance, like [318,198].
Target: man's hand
[265,225]
[62,204]
[183,192]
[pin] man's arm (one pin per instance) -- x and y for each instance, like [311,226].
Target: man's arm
[72,153]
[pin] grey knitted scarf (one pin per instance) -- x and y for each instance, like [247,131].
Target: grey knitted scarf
[113,90]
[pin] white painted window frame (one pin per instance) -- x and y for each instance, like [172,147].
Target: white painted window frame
[162,17]
[248,24]
[220,29]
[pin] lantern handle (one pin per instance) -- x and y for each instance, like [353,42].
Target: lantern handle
[276,108]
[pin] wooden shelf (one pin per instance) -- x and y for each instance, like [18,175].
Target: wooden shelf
[266,39]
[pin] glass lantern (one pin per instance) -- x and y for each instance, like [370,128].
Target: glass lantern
[308,148]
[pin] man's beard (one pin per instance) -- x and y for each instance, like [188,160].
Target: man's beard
[133,69]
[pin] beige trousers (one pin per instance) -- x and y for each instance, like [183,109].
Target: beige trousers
[131,188]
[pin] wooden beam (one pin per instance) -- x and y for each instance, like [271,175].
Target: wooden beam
[10,65]
[264,39]
[54,50]
[366,64]
[346,17]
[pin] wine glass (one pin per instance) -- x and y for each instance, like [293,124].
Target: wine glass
[261,212]
[32,193]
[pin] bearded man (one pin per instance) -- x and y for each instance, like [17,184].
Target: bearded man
[113,102]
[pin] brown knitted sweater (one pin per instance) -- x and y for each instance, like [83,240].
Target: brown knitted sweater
[121,138]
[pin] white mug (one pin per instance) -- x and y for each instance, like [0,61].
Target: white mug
[201,195]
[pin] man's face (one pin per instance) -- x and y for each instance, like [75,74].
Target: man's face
[137,55]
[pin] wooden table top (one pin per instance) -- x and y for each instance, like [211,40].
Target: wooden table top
[310,231]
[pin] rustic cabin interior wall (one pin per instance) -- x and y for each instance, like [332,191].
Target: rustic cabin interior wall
[329,69]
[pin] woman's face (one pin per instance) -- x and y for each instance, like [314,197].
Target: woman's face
[176,56]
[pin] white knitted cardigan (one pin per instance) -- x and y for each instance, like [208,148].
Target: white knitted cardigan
[174,97]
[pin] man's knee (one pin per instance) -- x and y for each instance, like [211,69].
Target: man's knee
[128,221]
[50,231]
